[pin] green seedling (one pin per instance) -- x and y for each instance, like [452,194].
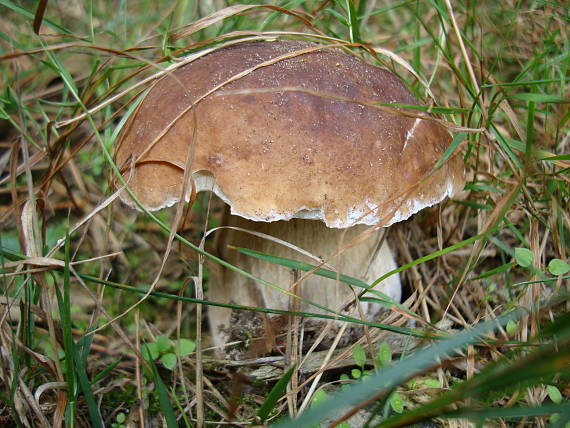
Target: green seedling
[120,420]
[167,351]
[525,258]
[382,359]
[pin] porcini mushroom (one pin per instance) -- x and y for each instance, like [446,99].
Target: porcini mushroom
[296,138]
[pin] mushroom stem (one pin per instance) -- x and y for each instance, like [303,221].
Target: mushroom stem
[368,258]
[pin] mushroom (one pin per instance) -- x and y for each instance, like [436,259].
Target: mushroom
[300,141]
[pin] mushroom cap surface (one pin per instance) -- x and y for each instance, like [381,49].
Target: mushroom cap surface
[278,134]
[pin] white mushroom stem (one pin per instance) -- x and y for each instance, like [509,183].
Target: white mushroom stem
[367,260]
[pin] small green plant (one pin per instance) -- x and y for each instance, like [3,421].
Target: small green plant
[556,397]
[120,420]
[554,394]
[511,328]
[382,359]
[359,356]
[423,382]
[525,258]
[558,267]
[166,351]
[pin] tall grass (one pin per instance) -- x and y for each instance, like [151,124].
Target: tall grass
[484,335]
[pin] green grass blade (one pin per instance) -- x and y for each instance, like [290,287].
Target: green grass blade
[504,143]
[555,158]
[143,290]
[106,370]
[163,398]
[82,349]
[529,134]
[457,139]
[353,22]
[305,267]
[391,6]
[541,98]
[11,41]
[64,304]
[326,273]
[491,272]
[436,254]
[480,415]
[338,16]
[392,376]
[276,392]
[540,365]
[481,187]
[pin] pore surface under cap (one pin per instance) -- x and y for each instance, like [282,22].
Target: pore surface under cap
[283,141]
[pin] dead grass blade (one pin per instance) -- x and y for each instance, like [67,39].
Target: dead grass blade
[384,107]
[39,16]
[222,14]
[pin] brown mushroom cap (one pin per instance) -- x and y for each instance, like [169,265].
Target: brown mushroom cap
[285,141]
